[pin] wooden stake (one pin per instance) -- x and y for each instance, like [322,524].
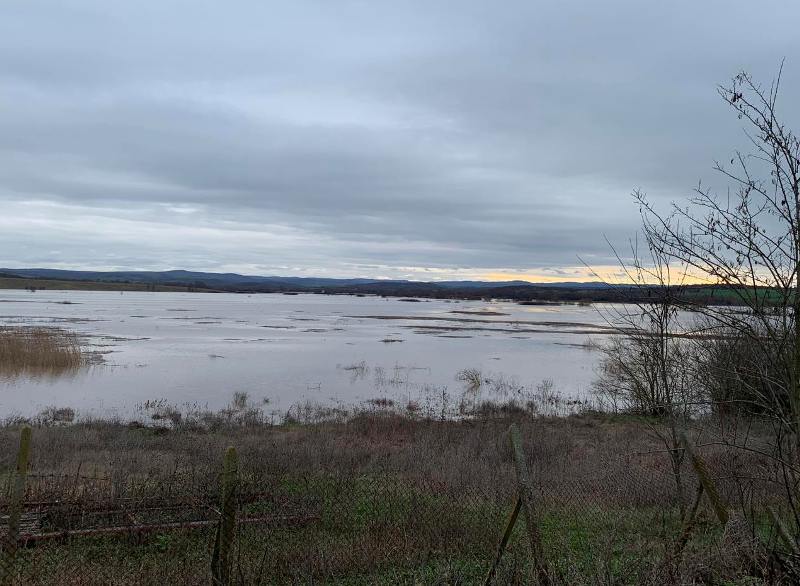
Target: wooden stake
[512,519]
[527,504]
[221,559]
[703,475]
[8,556]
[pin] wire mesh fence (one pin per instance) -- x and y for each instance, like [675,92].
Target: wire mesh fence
[624,524]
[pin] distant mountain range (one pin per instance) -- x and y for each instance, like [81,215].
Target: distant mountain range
[521,291]
[233,280]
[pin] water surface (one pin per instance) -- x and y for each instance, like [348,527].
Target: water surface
[282,350]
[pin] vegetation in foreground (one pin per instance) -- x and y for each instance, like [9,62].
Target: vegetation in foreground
[380,498]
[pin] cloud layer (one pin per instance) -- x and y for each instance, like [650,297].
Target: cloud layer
[362,138]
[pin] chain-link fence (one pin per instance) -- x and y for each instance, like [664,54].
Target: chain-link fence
[623,524]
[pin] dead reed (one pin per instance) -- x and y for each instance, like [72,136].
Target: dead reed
[38,351]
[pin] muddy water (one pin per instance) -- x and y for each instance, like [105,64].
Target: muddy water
[196,350]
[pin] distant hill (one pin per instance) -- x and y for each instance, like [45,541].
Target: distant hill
[495,284]
[522,291]
[234,280]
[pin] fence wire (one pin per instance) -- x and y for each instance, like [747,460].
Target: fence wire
[621,525]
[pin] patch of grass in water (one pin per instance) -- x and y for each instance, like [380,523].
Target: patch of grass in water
[39,351]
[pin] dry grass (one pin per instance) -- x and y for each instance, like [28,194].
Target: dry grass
[400,493]
[599,460]
[38,351]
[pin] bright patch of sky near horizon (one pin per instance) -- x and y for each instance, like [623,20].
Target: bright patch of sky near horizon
[447,140]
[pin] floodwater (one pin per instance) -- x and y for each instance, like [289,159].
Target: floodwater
[197,349]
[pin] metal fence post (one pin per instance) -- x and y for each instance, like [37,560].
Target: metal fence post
[221,558]
[9,551]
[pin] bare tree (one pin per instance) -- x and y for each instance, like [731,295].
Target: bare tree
[644,367]
[746,244]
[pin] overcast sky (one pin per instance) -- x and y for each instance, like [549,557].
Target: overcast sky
[425,140]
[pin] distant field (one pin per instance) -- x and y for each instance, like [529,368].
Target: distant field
[17,283]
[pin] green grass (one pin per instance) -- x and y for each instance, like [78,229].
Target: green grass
[395,501]
[373,530]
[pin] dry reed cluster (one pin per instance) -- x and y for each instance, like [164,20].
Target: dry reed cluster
[38,351]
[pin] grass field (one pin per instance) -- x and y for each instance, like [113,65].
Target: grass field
[376,499]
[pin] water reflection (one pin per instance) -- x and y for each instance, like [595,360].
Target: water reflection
[330,351]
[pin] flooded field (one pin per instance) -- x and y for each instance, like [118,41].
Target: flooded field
[195,350]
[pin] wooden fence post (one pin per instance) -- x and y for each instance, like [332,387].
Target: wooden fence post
[526,497]
[688,524]
[706,481]
[525,503]
[783,532]
[221,558]
[9,550]
[512,519]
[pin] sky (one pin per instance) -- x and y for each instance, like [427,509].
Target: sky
[423,140]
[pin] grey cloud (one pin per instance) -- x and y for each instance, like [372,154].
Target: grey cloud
[460,135]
